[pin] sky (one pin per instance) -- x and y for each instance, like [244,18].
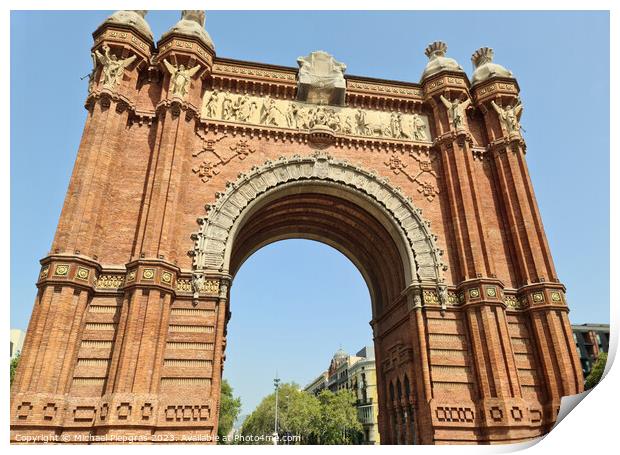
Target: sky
[295,302]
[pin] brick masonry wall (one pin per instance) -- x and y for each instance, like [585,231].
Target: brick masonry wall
[120,343]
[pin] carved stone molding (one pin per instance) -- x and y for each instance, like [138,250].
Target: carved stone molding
[386,89]
[213,238]
[503,144]
[106,97]
[220,69]
[447,139]
[107,281]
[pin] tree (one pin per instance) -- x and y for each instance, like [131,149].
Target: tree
[229,410]
[14,363]
[298,413]
[597,371]
[338,423]
[330,418]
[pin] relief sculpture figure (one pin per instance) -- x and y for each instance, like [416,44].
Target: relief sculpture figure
[269,112]
[456,111]
[180,78]
[228,111]
[419,128]
[211,105]
[113,68]
[509,116]
[396,127]
[361,126]
[291,115]
[244,108]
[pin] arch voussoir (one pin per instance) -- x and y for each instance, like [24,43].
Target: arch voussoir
[214,237]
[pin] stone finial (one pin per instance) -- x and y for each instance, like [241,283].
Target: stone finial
[140,12]
[437,60]
[482,56]
[192,25]
[436,49]
[194,15]
[130,18]
[485,68]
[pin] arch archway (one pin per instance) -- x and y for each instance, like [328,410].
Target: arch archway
[352,210]
[404,222]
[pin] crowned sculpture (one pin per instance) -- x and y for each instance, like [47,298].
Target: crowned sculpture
[437,60]
[485,68]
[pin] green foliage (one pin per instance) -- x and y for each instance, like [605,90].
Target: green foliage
[597,371]
[338,424]
[229,410]
[14,363]
[330,418]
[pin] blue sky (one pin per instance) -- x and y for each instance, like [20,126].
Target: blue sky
[296,302]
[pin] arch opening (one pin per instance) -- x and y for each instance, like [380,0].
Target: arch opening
[313,212]
[357,213]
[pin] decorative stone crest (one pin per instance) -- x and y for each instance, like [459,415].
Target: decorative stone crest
[443,296]
[321,79]
[206,170]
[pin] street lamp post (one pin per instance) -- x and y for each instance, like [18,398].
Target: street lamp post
[276,384]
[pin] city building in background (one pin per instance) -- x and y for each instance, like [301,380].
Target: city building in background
[591,340]
[357,373]
[17,342]
[318,385]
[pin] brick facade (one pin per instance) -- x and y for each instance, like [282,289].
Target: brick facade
[128,330]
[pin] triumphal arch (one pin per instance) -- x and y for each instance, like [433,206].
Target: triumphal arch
[190,162]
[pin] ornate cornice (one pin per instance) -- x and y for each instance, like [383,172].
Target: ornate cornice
[124,36]
[515,143]
[448,139]
[224,68]
[106,97]
[85,273]
[185,45]
[176,106]
[445,81]
[493,88]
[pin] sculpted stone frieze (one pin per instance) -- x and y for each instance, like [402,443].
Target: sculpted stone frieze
[295,115]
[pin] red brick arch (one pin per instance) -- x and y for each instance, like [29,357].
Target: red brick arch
[420,257]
